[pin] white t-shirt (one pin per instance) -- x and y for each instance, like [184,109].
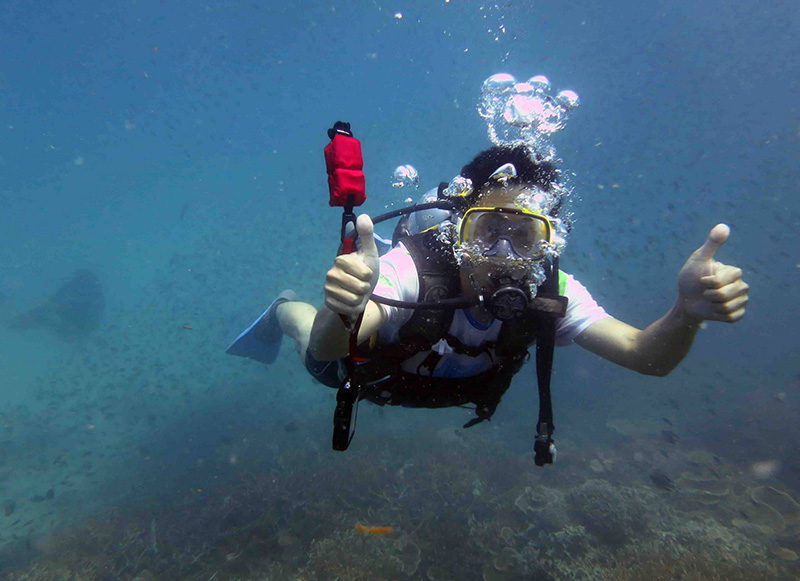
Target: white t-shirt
[399,280]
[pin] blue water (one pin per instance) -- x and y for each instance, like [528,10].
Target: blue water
[175,150]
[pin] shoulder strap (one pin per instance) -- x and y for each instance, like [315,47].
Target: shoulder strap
[438,279]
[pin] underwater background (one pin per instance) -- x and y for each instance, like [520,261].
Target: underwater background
[162,180]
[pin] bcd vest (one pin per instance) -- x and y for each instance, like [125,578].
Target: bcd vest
[382,379]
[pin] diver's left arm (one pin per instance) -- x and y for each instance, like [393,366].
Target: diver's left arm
[707,291]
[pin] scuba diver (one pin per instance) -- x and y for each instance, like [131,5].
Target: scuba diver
[447,316]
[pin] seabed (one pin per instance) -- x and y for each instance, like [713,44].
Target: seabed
[461,508]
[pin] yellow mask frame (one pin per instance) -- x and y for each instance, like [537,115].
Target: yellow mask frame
[525,230]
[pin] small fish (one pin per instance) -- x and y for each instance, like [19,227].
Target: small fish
[666,421]
[669,436]
[663,481]
[50,494]
[290,427]
[8,507]
[372,530]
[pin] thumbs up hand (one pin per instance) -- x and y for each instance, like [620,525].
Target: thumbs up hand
[349,284]
[708,289]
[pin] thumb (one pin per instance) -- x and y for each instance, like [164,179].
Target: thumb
[716,238]
[368,250]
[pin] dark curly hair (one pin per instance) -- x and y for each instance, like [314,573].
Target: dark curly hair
[543,174]
[529,171]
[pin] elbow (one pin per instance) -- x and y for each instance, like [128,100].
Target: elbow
[652,364]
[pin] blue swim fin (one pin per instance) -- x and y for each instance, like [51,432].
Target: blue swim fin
[262,340]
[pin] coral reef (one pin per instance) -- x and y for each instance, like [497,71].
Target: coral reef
[452,518]
[613,514]
[351,555]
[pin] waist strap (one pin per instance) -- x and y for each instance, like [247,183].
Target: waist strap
[485,390]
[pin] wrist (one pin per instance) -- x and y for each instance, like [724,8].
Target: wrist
[680,315]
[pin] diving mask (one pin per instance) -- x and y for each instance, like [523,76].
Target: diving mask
[510,233]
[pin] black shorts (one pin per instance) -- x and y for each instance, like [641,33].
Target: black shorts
[326,372]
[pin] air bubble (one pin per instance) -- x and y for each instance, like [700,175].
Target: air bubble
[524,113]
[540,83]
[569,100]
[498,82]
[405,175]
[458,186]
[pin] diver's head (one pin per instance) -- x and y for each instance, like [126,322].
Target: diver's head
[501,246]
[513,207]
[507,233]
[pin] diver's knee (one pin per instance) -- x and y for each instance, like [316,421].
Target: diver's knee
[295,317]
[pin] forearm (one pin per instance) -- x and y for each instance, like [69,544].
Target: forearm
[662,345]
[330,340]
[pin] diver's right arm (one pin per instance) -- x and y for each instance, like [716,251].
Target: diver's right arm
[331,341]
[348,286]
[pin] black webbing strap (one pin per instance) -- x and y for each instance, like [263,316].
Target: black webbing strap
[544,449]
[545,345]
